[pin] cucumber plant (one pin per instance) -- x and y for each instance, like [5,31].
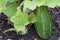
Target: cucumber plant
[17,11]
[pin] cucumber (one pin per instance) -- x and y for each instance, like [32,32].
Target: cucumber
[43,22]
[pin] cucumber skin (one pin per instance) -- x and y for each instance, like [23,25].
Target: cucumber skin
[43,22]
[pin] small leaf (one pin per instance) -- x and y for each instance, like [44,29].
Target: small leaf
[20,29]
[32,18]
[20,21]
[10,10]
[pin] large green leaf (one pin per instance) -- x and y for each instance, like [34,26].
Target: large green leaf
[2,4]
[52,3]
[20,21]
[10,10]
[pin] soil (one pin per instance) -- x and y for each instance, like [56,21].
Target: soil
[31,33]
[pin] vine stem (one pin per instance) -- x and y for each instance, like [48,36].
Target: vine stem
[18,8]
[11,29]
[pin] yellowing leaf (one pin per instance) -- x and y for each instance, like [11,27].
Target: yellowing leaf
[33,4]
[11,1]
[52,3]
[29,4]
[39,2]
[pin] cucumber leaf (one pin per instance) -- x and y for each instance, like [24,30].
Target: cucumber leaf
[39,2]
[29,5]
[33,4]
[20,21]
[2,4]
[52,3]
[11,1]
[10,10]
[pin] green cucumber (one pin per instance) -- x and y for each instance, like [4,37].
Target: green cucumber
[43,22]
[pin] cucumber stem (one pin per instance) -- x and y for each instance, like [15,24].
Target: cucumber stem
[11,29]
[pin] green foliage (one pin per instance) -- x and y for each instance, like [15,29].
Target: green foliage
[21,18]
[2,5]
[10,1]
[10,10]
[37,3]
[32,18]
[52,3]
[20,21]
[32,4]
